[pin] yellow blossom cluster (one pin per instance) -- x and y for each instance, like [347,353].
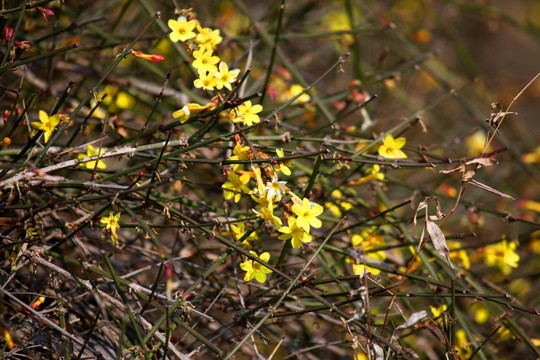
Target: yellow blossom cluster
[212,72]
[296,217]
[260,183]
[503,255]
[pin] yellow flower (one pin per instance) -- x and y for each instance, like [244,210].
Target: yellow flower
[205,81]
[115,100]
[267,213]
[437,311]
[338,204]
[224,77]
[261,189]
[192,108]
[458,256]
[533,157]
[368,240]
[475,143]
[204,61]
[505,334]
[462,344]
[9,340]
[46,124]
[254,269]
[282,166]
[111,224]
[502,255]
[360,269]
[373,173]
[391,148]
[239,230]
[235,186]
[240,153]
[247,114]
[481,314]
[535,242]
[90,151]
[294,90]
[207,38]
[182,29]
[307,214]
[295,233]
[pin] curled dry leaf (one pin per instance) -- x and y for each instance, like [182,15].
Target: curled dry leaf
[379,352]
[483,161]
[411,321]
[439,240]
[422,205]
[459,168]
[490,189]
[467,176]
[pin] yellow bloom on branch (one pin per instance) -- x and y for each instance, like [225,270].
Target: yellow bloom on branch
[235,186]
[267,213]
[458,255]
[207,38]
[373,173]
[206,81]
[295,233]
[437,311]
[193,108]
[256,270]
[307,213]
[502,255]
[391,148]
[360,269]
[282,166]
[182,29]
[225,77]
[111,224]
[247,114]
[239,230]
[90,151]
[205,61]
[46,124]
[240,153]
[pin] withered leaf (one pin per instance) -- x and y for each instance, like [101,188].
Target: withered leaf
[413,319]
[422,205]
[459,168]
[490,189]
[467,176]
[483,161]
[439,240]
[379,352]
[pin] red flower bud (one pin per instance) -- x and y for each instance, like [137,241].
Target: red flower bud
[45,12]
[151,57]
[8,33]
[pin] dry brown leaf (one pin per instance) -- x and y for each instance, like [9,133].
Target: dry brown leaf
[411,321]
[459,168]
[422,205]
[490,189]
[483,161]
[439,240]
[467,176]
